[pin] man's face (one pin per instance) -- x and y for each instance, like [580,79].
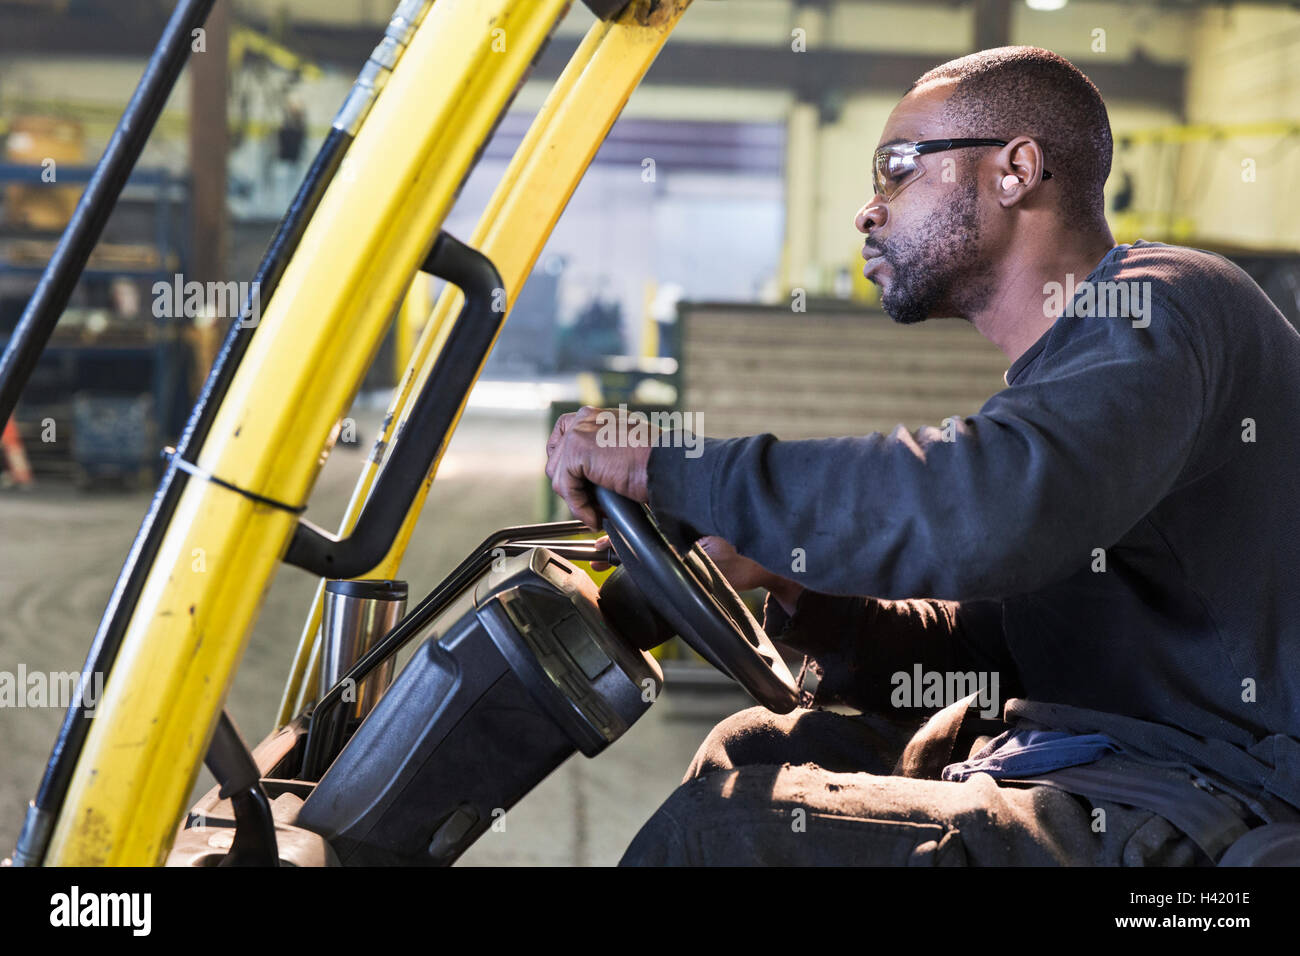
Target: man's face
[923,246]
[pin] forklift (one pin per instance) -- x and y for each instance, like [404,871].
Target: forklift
[520,660]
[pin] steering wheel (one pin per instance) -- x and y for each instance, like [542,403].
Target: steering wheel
[698,601]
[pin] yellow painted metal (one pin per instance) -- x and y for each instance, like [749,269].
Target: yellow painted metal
[244,40]
[546,168]
[1199,132]
[410,320]
[649,325]
[319,333]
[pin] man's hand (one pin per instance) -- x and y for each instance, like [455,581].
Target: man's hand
[745,574]
[589,446]
[742,573]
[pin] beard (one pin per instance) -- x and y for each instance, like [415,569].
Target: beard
[939,267]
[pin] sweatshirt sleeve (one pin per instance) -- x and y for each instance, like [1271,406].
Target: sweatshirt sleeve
[1011,499]
[855,646]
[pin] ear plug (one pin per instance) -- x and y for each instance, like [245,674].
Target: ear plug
[1009,180]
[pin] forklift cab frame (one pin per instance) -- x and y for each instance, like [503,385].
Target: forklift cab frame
[521,661]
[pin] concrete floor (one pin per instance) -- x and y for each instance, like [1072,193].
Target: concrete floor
[63,549]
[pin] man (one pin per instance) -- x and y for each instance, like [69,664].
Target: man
[1108,547]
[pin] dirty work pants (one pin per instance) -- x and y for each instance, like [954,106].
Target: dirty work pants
[814,787]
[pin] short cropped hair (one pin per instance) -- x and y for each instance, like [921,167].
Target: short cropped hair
[1013,91]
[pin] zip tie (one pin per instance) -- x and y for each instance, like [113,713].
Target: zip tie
[192,469]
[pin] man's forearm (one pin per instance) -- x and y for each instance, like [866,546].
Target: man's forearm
[987,507]
[858,646]
[786,593]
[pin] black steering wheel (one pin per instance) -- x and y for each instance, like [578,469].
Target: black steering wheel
[698,601]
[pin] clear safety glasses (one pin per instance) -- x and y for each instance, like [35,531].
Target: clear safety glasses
[895,166]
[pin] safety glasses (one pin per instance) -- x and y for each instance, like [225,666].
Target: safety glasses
[895,166]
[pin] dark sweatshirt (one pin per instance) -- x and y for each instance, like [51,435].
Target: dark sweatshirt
[1164,444]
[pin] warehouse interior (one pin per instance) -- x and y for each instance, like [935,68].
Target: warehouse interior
[725,191]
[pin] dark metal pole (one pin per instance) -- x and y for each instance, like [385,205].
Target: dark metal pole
[87,222]
[39,821]
[51,297]
[209,146]
[992,20]
[43,811]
